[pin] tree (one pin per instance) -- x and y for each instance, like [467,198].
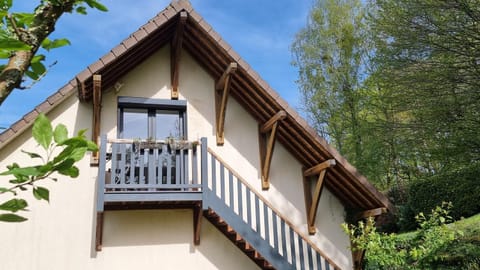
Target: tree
[344,105]
[427,57]
[69,151]
[23,35]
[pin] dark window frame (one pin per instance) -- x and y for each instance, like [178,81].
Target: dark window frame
[151,105]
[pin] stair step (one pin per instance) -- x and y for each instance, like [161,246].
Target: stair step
[237,239]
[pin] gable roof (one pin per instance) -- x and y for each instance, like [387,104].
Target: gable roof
[252,92]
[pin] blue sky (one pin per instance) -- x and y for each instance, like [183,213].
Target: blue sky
[260,31]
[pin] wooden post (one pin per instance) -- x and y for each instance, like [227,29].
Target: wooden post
[222,88]
[312,200]
[197,223]
[97,109]
[267,145]
[176,49]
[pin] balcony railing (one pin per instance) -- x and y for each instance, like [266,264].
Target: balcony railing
[144,170]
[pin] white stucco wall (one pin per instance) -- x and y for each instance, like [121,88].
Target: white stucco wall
[59,235]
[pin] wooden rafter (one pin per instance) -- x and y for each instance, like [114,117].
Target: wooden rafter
[176,49]
[267,134]
[222,88]
[371,213]
[99,232]
[311,201]
[97,108]
[197,223]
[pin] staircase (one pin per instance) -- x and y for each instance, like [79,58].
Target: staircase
[237,239]
[251,223]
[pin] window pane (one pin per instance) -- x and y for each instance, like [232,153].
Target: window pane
[168,124]
[135,123]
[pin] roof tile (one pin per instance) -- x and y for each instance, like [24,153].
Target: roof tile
[66,89]
[119,50]
[234,55]
[129,42]
[29,117]
[169,12]
[197,17]
[186,5]
[96,66]
[216,36]
[150,27]
[140,34]
[243,64]
[84,74]
[4,136]
[207,27]
[54,98]
[107,58]
[20,124]
[159,19]
[224,45]
[43,107]
[252,73]
[176,5]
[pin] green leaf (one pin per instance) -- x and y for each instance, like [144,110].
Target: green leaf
[60,133]
[72,172]
[81,10]
[32,75]
[78,153]
[32,154]
[4,54]
[5,4]
[37,58]
[91,146]
[23,19]
[42,131]
[38,68]
[14,205]
[3,190]
[97,5]
[65,165]
[11,218]
[57,43]
[25,171]
[41,193]
[11,44]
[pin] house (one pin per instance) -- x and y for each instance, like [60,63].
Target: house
[201,166]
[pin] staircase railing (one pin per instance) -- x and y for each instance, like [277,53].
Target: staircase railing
[226,193]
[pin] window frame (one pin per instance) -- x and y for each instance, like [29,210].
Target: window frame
[151,105]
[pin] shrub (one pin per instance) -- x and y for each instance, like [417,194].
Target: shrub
[461,187]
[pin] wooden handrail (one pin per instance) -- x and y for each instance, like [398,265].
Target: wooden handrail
[278,213]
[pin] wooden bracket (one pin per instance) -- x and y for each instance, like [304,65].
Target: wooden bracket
[222,88]
[176,49]
[267,145]
[81,87]
[97,108]
[371,213]
[99,232]
[311,201]
[197,223]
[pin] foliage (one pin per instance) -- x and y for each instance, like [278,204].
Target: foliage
[419,250]
[24,35]
[461,187]
[61,154]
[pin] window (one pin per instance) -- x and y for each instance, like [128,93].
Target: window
[152,119]
[155,119]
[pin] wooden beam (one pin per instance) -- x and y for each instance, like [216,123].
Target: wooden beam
[371,213]
[97,108]
[176,49]
[320,167]
[99,232]
[269,124]
[267,145]
[222,88]
[312,197]
[197,223]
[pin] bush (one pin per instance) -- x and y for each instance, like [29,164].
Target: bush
[461,187]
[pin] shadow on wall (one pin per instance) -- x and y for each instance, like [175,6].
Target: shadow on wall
[147,227]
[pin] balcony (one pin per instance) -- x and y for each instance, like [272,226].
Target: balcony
[146,172]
